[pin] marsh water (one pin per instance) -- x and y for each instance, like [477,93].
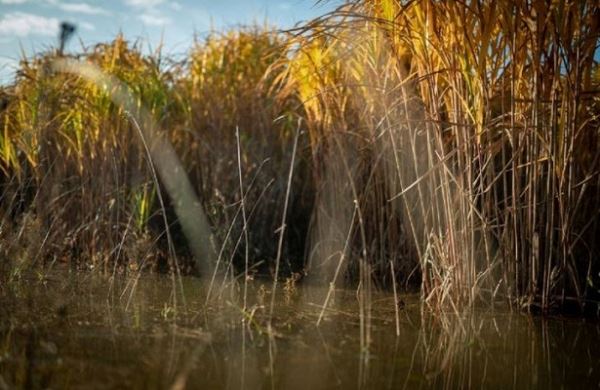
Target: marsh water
[65,330]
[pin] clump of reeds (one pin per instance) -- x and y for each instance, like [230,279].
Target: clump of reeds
[232,106]
[454,144]
[74,164]
[71,162]
[470,129]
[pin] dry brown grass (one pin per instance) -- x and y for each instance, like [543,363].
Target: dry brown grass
[470,129]
[458,141]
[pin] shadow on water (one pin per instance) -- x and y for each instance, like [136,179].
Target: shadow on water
[65,330]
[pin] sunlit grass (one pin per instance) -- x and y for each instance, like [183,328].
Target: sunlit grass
[453,143]
[479,122]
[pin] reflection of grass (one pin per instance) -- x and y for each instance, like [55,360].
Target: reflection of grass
[451,144]
[63,331]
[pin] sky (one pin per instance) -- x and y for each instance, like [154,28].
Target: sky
[32,26]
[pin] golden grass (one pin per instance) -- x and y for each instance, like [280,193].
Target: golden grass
[475,128]
[453,143]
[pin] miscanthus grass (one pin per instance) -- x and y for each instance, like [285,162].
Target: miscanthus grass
[453,144]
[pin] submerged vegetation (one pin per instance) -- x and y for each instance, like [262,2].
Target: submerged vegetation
[447,146]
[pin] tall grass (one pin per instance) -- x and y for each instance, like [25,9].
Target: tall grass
[70,162]
[473,132]
[229,90]
[454,144]
[74,166]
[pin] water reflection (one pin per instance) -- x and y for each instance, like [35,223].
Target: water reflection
[68,331]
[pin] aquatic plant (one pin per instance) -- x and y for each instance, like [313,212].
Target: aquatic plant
[447,146]
[85,175]
[469,129]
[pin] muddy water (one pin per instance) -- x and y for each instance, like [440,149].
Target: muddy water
[63,330]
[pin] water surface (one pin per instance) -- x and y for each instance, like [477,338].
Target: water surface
[73,330]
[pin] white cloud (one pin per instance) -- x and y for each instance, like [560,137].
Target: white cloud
[87,26]
[82,8]
[152,19]
[150,15]
[22,24]
[144,3]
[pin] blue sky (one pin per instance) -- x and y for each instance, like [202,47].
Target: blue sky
[33,24]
